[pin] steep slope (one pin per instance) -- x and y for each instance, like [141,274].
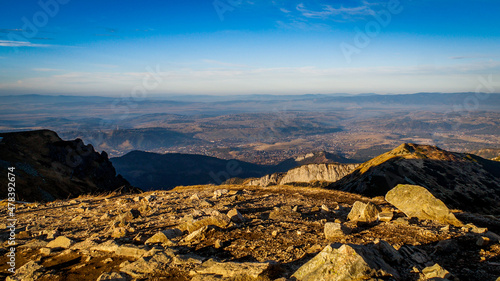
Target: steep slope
[165,171]
[462,181]
[48,168]
[306,174]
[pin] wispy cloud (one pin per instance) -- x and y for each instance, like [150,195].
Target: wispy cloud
[46,69]
[328,11]
[105,65]
[472,57]
[285,10]
[9,43]
[221,63]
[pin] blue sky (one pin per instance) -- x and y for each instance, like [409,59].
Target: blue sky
[245,47]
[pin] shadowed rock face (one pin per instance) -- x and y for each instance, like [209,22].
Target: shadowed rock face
[463,181]
[48,168]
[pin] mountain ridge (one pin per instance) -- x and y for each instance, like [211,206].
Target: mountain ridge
[49,168]
[446,174]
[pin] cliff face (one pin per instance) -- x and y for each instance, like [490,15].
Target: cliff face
[48,168]
[306,174]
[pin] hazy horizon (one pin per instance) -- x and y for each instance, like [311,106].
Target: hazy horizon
[243,47]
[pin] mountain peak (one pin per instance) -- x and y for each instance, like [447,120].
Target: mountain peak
[446,174]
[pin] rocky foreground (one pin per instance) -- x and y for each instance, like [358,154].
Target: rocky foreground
[252,233]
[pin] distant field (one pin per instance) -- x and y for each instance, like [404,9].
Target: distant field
[264,130]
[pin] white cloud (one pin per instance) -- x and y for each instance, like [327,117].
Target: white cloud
[292,80]
[9,43]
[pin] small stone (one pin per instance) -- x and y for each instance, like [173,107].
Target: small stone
[108,246]
[364,212]
[235,192]
[334,230]
[325,208]
[112,276]
[445,228]
[23,235]
[60,242]
[159,237]
[194,197]
[119,232]
[216,219]
[206,204]
[106,216]
[218,244]
[199,233]
[235,216]
[218,193]
[45,251]
[52,234]
[137,199]
[479,230]
[482,241]
[274,233]
[130,251]
[385,216]
[434,272]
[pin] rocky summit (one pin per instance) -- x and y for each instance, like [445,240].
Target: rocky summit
[460,180]
[414,213]
[48,168]
[237,232]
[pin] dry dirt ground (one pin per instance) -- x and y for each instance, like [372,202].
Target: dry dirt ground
[282,225]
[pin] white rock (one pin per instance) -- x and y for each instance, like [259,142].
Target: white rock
[60,242]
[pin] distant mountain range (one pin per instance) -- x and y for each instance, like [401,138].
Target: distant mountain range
[48,168]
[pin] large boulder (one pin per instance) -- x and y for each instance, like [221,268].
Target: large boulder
[348,262]
[416,201]
[232,269]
